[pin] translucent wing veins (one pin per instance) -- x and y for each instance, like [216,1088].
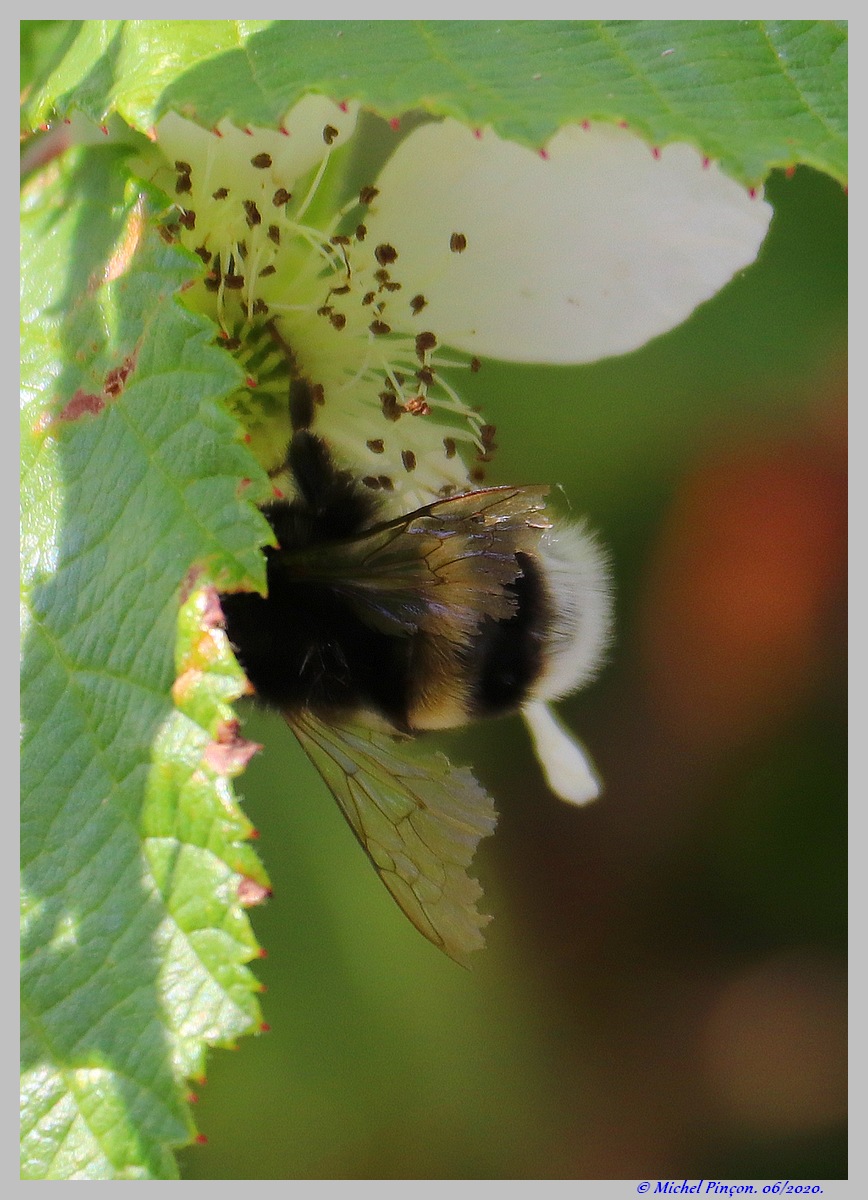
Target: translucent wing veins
[418,818]
[439,569]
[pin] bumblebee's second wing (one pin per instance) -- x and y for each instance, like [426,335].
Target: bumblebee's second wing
[419,818]
[440,569]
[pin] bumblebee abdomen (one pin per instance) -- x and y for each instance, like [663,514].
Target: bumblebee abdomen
[493,671]
[509,652]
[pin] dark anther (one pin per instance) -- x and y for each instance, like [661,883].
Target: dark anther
[392,410]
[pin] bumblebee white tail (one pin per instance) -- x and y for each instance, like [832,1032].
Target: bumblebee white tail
[579,592]
[567,768]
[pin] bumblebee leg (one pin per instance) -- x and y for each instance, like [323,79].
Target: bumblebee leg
[339,507]
[301,404]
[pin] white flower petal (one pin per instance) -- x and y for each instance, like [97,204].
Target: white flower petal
[294,152]
[566,766]
[588,251]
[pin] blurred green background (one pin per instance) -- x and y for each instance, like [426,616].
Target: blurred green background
[663,990]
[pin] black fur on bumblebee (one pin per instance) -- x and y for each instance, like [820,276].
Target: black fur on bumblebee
[376,628]
[446,615]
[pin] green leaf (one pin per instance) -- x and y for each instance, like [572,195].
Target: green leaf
[134,865]
[752,94]
[42,44]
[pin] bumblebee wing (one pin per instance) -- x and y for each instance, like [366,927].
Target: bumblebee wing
[418,818]
[440,568]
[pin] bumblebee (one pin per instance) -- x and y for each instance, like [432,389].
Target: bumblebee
[375,629]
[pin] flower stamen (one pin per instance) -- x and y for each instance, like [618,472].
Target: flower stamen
[331,300]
